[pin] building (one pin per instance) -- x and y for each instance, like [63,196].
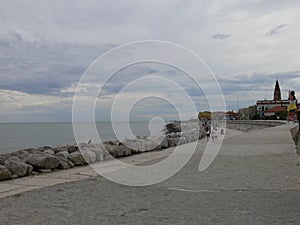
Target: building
[273,111]
[264,105]
[248,113]
[231,115]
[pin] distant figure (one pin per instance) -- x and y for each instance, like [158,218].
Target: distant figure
[292,108]
[207,130]
[214,134]
[90,141]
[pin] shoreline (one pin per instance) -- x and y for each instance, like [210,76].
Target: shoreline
[32,182]
[46,159]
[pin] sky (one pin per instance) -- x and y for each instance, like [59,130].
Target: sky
[46,47]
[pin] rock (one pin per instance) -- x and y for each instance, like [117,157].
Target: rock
[144,145]
[82,158]
[98,152]
[182,141]
[4,156]
[116,142]
[89,156]
[123,151]
[62,154]
[173,135]
[42,161]
[21,154]
[118,151]
[33,151]
[107,155]
[4,173]
[65,163]
[136,145]
[173,141]
[73,148]
[49,151]
[191,136]
[45,170]
[77,159]
[45,148]
[164,143]
[61,148]
[173,127]
[17,167]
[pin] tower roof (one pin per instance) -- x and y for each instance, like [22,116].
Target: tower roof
[277,92]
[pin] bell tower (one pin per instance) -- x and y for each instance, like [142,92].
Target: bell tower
[277,92]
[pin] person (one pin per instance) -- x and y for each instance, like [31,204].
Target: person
[292,108]
[214,134]
[207,129]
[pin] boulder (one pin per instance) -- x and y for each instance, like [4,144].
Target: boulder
[65,163]
[151,145]
[45,148]
[98,152]
[34,151]
[191,136]
[62,154]
[173,141]
[17,167]
[118,151]
[4,173]
[61,148]
[144,145]
[164,143]
[42,161]
[115,142]
[137,145]
[173,127]
[82,158]
[182,141]
[21,154]
[44,170]
[49,151]
[4,156]
[73,148]
[89,156]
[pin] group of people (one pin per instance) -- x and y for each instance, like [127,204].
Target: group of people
[211,131]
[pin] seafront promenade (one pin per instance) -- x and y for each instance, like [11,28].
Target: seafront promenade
[255,179]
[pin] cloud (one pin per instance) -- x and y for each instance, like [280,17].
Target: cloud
[276,30]
[19,107]
[45,47]
[220,36]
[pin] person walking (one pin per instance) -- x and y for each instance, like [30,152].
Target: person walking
[208,131]
[292,108]
[214,134]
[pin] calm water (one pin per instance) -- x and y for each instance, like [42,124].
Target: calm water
[15,136]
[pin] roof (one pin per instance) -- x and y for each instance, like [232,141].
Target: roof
[276,109]
[271,102]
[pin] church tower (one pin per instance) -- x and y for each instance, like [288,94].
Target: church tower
[277,92]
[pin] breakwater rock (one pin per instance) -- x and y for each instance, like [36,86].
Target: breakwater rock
[46,159]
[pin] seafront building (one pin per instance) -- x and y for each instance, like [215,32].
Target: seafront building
[248,113]
[263,108]
[268,107]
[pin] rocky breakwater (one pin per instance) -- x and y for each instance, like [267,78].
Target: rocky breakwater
[47,159]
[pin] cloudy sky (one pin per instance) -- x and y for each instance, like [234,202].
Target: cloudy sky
[46,47]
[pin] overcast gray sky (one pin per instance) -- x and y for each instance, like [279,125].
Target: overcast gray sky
[46,46]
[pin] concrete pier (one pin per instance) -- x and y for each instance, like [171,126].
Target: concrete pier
[255,179]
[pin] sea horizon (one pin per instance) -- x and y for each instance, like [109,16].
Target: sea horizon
[22,135]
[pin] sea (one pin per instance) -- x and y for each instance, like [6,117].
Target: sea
[17,136]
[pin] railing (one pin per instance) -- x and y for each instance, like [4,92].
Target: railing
[270,123]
